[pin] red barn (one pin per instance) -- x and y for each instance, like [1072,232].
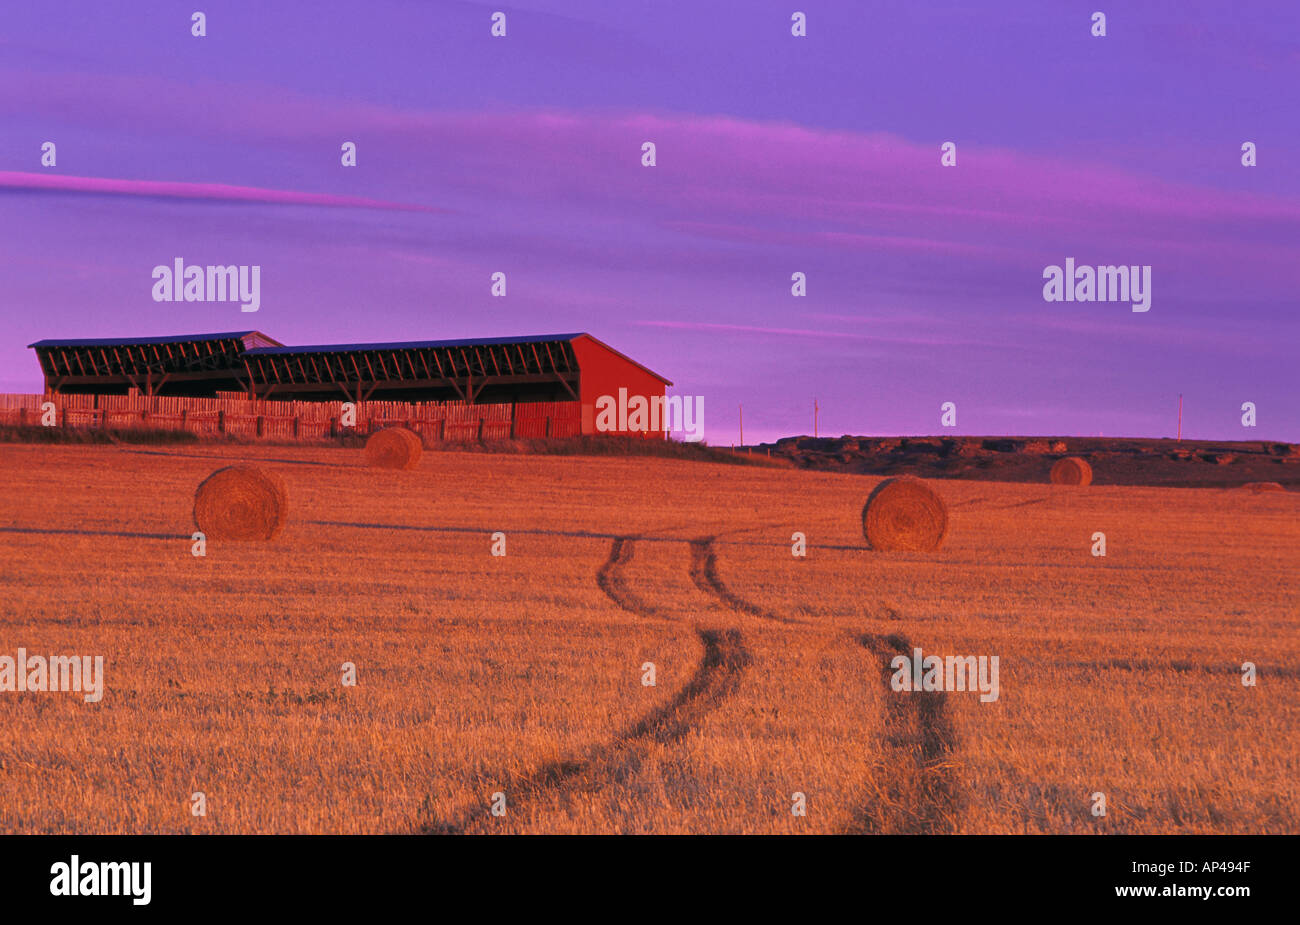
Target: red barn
[613,382]
[592,382]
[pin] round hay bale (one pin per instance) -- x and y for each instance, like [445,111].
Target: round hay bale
[1071,470]
[241,503]
[394,448]
[904,513]
[416,441]
[1258,487]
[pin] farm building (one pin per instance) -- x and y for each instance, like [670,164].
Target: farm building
[573,369]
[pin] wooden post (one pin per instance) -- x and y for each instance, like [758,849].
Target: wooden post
[221,421]
[261,425]
[295,426]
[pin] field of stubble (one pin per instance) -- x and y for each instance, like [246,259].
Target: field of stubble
[523,674]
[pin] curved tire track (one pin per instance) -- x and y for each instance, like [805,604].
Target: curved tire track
[915,785]
[716,678]
[704,572]
[610,580]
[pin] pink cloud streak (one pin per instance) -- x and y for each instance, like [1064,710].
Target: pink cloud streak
[214,192]
[767,183]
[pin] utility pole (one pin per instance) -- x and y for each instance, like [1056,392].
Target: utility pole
[1180,417]
[742,424]
[815,410]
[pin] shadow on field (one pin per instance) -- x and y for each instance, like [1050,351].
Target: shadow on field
[245,457]
[53,531]
[1029,503]
[419,528]
[578,534]
[1151,667]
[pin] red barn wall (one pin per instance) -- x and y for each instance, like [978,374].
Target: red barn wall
[604,372]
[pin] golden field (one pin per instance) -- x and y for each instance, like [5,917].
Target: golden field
[522,674]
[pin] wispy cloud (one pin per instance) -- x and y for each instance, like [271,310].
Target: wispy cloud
[212,192]
[762,331]
[739,180]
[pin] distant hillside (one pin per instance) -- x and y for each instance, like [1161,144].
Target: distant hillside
[1115,461]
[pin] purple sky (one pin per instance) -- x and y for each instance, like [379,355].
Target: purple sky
[775,154]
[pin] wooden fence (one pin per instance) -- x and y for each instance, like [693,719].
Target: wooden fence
[295,420]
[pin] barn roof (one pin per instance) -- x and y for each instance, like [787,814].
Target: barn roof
[421,344]
[249,360]
[446,344]
[170,339]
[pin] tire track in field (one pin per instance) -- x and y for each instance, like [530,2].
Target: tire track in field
[717,677]
[915,788]
[609,577]
[704,572]
[914,785]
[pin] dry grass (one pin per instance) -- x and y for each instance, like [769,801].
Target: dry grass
[523,673]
